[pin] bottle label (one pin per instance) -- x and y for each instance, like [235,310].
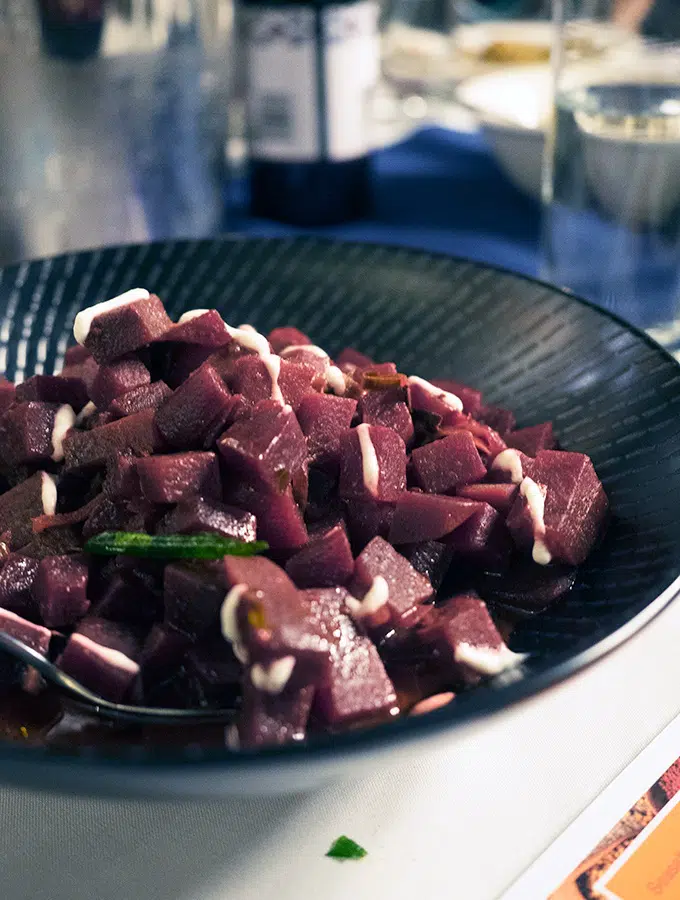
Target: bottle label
[311,76]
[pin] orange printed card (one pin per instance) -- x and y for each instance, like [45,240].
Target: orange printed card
[626,845]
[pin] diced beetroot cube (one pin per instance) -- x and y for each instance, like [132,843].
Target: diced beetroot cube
[469,396]
[500,496]
[431,558]
[464,635]
[390,588]
[147,396]
[34,636]
[217,671]
[280,338]
[36,496]
[274,378]
[114,635]
[265,448]
[354,685]
[574,508]
[163,651]
[122,479]
[487,441]
[116,327]
[526,587]
[7,394]
[183,359]
[510,467]
[426,517]
[74,517]
[501,420]
[372,464]
[60,590]
[323,418]
[84,371]
[313,356]
[108,515]
[349,360]
[136,435]
[367,519]
[325,561]
[196,412]
[16,582]
[427,397]
[483,540]
[55,542]
[128,599]
[197,515]
[177,476]
[531,440]
[224,360]
[270,720]
[75,355]
[51,389]
[279,520]
[107,672]
[117,378]
[193,595]
[387,407]
[443,465]
[206,330]
[34,432]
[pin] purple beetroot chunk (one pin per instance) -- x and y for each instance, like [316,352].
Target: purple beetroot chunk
[470,397]
[120,326]
[501,420]
[129,599]
[217,671]
[350,360]
[464,636]
[372,464]
[388,407]
[114,635]
[445,464]
[266,448]
[147,396]
[8,395]
[500,496]
[426,517]
[182,360]
[280,338]
[60,590]
[323,419]
[355,685]
[431,558]
[53,389]
[193,594]
[325,561]
[196,412]
[482,540]
[367,519]
[178,476]
[426,397]
[487,441]
[135,435]
[117,378]
[575,508]
[274,379]
[17,576]
[271,720]
[387,587]
[122,479]
[163,652]
[13,672]
[532,440]
[526,587]
[205,330]
[510,467]
[279,520]
[37,496]
[33,433]
[195,514]
[107,672]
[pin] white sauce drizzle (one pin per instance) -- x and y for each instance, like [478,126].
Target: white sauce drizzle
[273,678]
[312,349]
[335,380]
[113,657]
[84,319]
[88,410]
[64,420]
[191,314]
[451,401]
[251,340]
[229,623]
[248,327]
[509,461]
[487,660]
[272,364]
[48,494]
[535,497]
[375,597]
[369,459]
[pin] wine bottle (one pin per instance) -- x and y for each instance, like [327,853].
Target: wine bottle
[312,67]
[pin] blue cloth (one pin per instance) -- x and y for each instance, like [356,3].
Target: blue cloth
[442,191]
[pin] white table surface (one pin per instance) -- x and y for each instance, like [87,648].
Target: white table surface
[460,825]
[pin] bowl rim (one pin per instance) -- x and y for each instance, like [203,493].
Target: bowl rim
[508,690]
[495,121]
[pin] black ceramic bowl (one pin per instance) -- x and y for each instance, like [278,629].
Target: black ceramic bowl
[611,392]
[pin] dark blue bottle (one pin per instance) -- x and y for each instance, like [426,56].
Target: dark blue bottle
[71,29]
[311,71]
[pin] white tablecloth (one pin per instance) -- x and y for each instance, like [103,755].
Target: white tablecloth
[460,825]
